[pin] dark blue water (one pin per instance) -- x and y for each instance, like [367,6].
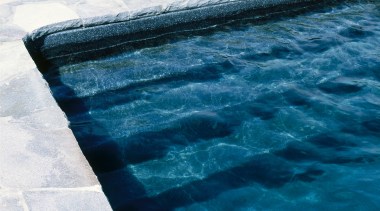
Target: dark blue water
[278,114]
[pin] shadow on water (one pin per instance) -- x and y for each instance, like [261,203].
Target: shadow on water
[265,169]
[109,157]
[327,149]
[132,92]
[125,192]
[270,170]
[201,126]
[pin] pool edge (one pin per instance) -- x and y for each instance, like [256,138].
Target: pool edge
[70,39]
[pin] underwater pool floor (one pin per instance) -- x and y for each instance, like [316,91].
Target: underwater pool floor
[274,114]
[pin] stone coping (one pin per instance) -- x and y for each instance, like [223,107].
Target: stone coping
[81,39]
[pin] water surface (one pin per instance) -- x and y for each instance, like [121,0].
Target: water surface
[275,114]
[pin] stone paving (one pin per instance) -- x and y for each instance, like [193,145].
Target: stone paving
[41,165]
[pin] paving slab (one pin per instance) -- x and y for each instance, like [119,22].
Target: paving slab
[43,14]
[65,199]
[37,149]
[12,201]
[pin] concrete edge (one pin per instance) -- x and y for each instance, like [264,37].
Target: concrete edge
[81,39]
[132,15]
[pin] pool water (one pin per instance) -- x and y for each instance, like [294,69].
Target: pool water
[261,114]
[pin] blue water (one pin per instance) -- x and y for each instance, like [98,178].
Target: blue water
[279,114]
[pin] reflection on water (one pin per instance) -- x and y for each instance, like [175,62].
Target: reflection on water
[280,114]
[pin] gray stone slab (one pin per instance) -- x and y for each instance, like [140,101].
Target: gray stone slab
[37,149]
[11,201]
[31,158]
[10,32]
[91,8]
[48,13]
[5,13]
[61,200]
[33,97]
[14,60]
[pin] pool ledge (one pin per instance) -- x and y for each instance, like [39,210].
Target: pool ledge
[82,39]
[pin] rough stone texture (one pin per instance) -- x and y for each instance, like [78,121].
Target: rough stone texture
[62,199]
[37,150]
[27,154]
[44,14]
[10,32]
[12,201]
[14,60]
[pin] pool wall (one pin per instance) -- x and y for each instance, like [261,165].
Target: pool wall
[83,39]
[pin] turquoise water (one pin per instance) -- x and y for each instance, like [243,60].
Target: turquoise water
[279,114]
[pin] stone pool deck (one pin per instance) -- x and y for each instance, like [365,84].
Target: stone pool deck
[41,164]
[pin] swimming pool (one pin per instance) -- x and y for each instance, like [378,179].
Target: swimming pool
[271,112]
